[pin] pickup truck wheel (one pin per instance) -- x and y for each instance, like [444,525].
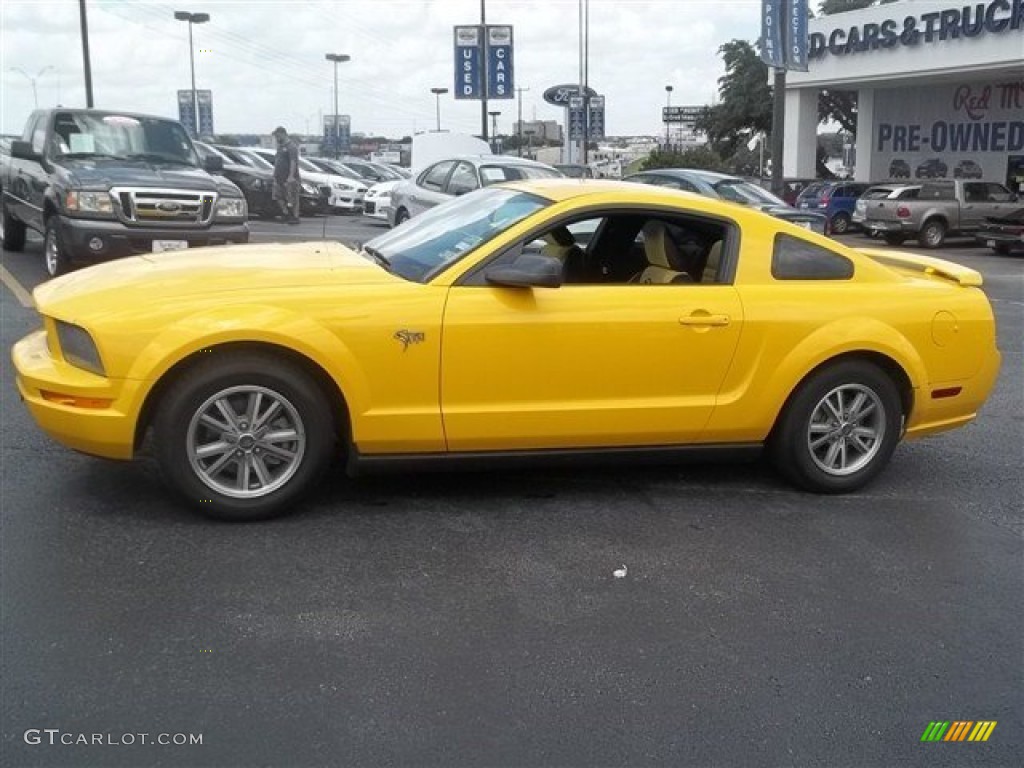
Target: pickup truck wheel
[243,436]
[13,232]
[893,239]
[54,252]
[932,234]
[839,429]
[840,223]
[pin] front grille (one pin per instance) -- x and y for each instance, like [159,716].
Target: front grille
[325,191]
[369,206]
[165,207]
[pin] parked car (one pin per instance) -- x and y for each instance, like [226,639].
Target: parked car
[733,189]
[899,169]
[967,169]
[836,200]
[575,171]
[313,199]
[881,192]
[932,168]
[455,176]
[377,203]
[257,184]
[251,369]
[334,191]
[100,184]
[791,188]
[1003,234]
[370,172]
[941,208]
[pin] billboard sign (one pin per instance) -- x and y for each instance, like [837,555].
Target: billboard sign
[685,116]
[469,63]
[500,84]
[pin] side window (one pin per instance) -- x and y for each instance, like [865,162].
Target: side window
[975,192]
[463,179]
[795,259]
[910,193]
[433,178]
[39,135]
[997,193]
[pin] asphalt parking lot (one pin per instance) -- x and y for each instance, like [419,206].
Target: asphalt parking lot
[477,619]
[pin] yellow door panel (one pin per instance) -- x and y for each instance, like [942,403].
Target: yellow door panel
[584,365]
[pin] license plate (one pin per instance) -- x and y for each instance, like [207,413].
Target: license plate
[990,243]
[159,246]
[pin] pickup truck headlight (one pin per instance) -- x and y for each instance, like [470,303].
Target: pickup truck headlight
[231,208]
[89,202]
[78,348]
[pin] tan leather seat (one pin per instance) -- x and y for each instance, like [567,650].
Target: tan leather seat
[662,258]
[714,263]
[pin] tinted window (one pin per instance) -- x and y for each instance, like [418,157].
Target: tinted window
[910,193]
[975,193]
[494,174]
[997,193]
[463,179]
[936,192]
[877,193]
[795,259]
[433,178]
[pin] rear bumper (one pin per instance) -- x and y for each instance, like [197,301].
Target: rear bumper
[119,241]
[932,415]
[878,225]
[1000,238]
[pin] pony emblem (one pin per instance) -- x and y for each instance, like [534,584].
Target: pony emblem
[408,337]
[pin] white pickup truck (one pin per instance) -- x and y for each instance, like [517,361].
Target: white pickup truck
[941,208]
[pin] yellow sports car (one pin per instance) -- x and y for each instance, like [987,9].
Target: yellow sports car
[551,319]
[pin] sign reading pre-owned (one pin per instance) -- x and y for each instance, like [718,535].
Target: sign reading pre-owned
[965,20]
[963,130]
[477,46]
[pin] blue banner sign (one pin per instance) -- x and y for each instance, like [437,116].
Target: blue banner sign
[469,63]
[500,84]
[187,112]
[772,49]
[577,117]
[595,120]
[337,133]
[796,35]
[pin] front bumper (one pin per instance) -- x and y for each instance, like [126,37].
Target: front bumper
[346,201]
[107,431]
[119,240]
[377,208]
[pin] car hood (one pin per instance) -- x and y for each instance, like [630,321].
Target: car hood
[384,187]
[160,278]
[103,174]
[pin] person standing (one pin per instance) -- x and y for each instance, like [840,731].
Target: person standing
[286,175]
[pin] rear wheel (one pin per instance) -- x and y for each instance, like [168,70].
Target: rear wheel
[893,239]
[243,436]
[840,223]
[839,429]
[13,233]
[55,254]
[932,234]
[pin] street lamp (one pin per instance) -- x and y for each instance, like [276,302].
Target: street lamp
[35,95]
[193,18]
[494,129]
[668,105]
[337,58]
[529,142]
[437,96]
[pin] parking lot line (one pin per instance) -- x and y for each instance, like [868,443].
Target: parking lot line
[22,295]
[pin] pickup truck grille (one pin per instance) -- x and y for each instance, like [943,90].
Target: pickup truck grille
[164,207]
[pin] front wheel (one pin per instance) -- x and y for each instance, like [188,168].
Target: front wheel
[839,429]
[55,254]
[243,436]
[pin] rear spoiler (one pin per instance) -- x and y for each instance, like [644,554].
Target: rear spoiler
[929,265]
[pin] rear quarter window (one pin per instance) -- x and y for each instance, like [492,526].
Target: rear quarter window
[796,259]
[936,192]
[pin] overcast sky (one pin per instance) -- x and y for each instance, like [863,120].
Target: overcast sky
[264,60]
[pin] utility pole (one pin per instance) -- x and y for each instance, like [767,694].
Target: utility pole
[193,18]
[494,129]
[484,50]
[668,105]
[778,128]
[39,74]
[519,129]
[84,24]
[337,58]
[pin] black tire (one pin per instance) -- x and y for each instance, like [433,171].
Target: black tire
[401,215]
[55,255]
[790,446]
[893,239]
[13,234]
[1002,249]
[233,379]
[932,234]
[840,223]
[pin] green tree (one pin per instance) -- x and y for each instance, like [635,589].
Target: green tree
[745,106]
[703,158]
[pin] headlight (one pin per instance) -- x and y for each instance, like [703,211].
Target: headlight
[310,189]
[343,185]
[78,348]
[89,202]
[231,208]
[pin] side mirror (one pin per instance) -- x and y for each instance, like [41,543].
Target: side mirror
[213,163]
[22,150]
[527,271]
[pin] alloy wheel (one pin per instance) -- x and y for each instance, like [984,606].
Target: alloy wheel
[846,429]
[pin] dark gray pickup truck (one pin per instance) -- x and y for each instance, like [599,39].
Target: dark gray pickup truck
[101,185]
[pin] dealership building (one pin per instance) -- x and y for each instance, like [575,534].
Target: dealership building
[940,90]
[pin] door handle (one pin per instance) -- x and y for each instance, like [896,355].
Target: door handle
[704,319]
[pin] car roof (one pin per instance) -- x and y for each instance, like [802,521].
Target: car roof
[710,177]
[493,160]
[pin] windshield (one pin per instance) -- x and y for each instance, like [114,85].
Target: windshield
[258,160]
[495,174]
[80,134]
[739,191]
[435,239]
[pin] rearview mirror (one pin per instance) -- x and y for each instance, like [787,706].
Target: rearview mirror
[213,163]
[22,150]
[527,271]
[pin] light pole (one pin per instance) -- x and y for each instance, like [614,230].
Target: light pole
[668,106]
[193,18]
[337,58]
[35,94]
[437,96]
[494,129]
